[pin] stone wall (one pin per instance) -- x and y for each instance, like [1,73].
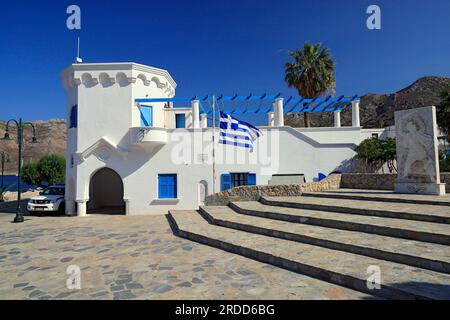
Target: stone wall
[252,193]
[375,181]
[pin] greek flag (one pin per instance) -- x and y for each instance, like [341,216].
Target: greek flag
[236,132]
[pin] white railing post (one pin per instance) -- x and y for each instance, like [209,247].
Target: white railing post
[337,119]
[279,112]
[204,120]
[196,114]
[270,119]
[355,114]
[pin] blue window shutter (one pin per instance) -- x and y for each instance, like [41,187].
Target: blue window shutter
[251,179]
[225,181]
[167,186]
[146,116]
[74,116]
[180,120]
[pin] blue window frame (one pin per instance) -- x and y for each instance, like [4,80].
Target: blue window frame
[73,117]
[180,120]
[146,116]
[237,179]
[167,186]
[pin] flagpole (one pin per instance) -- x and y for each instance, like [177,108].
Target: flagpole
[213,142]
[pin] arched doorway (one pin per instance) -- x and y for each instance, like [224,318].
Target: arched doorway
[106,193]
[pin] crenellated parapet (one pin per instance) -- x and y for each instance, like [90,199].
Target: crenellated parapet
[106,75]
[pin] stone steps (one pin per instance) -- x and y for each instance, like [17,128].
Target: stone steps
[341,268]
[429,256]
[399,228]
[418,212]
[381,195]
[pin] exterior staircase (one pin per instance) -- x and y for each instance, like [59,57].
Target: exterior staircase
[336,239]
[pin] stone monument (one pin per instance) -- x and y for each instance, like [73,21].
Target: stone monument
[417,152]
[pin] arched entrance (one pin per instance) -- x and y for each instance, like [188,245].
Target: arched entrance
[106,193]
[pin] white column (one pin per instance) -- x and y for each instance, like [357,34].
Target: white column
[81,209]
[355,114]
[270,119]
[196,113]
[337,119]
[279,112]
[204,120]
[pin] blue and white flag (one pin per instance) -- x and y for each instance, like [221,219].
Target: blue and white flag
[236,132]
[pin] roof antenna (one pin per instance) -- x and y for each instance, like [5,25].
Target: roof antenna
[78,59]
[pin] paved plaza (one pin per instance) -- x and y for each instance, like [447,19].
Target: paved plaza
[136,257]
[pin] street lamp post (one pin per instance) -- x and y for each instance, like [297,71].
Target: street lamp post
[3,158]
[20,139]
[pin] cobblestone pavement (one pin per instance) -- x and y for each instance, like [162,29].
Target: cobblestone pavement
[135,258]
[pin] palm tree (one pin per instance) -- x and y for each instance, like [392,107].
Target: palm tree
[311,72]
[443,113]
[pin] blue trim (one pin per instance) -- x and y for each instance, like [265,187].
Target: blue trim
[225,181]
[251,179]
[74,117]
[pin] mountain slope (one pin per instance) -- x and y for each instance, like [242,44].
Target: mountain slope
[377,110]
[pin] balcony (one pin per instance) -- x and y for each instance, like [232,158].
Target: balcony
[148,136]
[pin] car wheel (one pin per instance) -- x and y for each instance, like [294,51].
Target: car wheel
[62,208]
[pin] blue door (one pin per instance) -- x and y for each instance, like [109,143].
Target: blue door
[146,116]
[180,120]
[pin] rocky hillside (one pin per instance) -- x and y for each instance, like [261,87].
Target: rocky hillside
[377,110]
[51,136]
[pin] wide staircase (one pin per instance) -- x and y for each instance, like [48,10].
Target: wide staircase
[336,236]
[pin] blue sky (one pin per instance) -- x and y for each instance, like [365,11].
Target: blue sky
[217,46]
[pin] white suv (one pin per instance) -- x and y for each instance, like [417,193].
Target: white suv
[51,199]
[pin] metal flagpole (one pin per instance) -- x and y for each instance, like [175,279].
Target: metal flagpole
[213,142]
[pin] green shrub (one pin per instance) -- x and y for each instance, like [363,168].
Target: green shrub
[377,152]
[444,165]
[49,169]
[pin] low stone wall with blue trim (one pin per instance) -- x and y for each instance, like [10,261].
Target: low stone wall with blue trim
[253,193]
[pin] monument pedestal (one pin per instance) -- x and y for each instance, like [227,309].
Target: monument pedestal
[437,189]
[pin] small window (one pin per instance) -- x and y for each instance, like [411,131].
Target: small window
[375,135]
[73,117]
[146,116]
[239,179]
[232,180]
[167,186]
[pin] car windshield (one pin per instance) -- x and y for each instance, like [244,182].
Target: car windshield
[54,191]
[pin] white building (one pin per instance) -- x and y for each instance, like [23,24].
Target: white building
[148,158]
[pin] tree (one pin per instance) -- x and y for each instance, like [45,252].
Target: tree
[52,168]
[443,113]
[377,152]
[30,174]
[49,169]
[311,72]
